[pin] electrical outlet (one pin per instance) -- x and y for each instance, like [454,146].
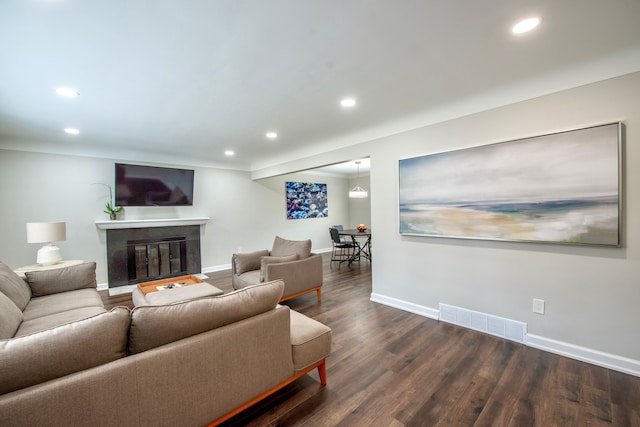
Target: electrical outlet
[239,249]
[538,306]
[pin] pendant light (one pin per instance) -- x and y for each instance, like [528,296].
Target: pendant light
[358,192]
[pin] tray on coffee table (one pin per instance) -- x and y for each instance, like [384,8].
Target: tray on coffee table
[168,284]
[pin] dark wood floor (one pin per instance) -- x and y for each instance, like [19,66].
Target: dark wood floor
[393,368]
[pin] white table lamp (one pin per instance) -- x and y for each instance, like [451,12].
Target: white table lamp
[47,232]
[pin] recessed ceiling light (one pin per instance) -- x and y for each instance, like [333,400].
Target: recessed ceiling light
[272,135]
[72,131]
[229,153]
[348,102]
[526,25]
[65,91]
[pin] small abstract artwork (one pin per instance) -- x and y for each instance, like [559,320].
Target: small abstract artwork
[306,200]
[559,188]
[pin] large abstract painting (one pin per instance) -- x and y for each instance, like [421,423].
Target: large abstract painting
[306,200]
[558,188]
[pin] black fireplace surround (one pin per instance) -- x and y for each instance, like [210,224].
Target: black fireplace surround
[136,255]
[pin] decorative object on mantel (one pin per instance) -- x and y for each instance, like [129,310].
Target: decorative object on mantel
[358,192]
[110,207]
[112,210]
[47,232]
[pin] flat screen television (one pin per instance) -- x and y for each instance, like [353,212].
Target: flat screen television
[138,185]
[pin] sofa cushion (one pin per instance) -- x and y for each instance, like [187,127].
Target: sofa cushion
[266,260]
[46,282]
[310,340]
[14,287]
[10,317]
[74,347]
[153,326]
[57,303]
[57,319]
[283,247]
[249,261]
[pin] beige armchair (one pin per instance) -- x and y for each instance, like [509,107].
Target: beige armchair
[288,260]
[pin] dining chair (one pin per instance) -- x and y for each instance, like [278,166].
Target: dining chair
[343,251]
[339,227]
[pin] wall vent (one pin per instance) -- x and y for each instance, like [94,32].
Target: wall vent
[487,323]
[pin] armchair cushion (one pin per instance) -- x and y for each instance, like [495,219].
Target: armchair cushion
[47,282]
[266,260]
[249,261]
[283,247]
[246,279]
[14,287]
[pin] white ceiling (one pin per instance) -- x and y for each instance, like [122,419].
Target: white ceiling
[347,169]
[183,81]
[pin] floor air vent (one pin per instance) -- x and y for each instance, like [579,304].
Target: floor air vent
[494,325]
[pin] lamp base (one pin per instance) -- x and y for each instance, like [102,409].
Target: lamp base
[49,254]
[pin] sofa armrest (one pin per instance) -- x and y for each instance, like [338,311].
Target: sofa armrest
[299,275]
[47,282]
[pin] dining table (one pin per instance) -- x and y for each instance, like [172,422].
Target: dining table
[362,249]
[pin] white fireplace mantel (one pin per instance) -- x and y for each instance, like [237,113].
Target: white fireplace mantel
[149,223]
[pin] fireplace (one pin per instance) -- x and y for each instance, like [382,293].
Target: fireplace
[156,258]
[136,255]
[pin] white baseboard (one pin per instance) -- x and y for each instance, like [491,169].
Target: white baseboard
[588,355]
[322,251]
[474,320]
[215,268]
[406,306]
[119,290]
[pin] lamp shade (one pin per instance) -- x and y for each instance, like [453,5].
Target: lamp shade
[47,232]
[44,232]
[358,193]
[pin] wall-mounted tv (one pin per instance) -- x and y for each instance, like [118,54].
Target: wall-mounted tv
[138,185]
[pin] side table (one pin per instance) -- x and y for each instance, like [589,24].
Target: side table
[37,267]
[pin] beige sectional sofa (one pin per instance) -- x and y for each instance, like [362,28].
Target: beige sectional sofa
[66,360]
[289,260]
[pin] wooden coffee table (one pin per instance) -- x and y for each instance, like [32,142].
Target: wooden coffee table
[181,281]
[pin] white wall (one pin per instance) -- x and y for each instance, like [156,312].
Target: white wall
[244,213]
[592,294]
[317,229]
[360,209]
